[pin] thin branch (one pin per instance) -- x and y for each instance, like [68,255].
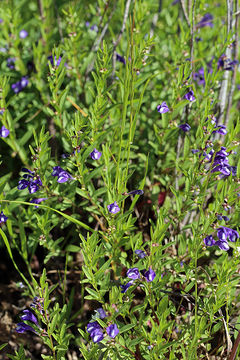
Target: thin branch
[192,37]
[126,12]
[229,342]
[185,12]
[115,44]
[234,73]
[235,347]
[224,87]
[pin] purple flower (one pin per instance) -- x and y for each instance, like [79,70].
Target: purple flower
[113,208]
[209,241]
[93,326]
[29,316]
[20,85]
[120,58]
[163,108]
[205,21]
[4,132]
[3,218]
[221,129]
[149,275]
[112,330]
[225,233]
[22,327]
[37,201]
[195,151]
[221,60]
[97,335]
[226,218]
[199,77]
[101,313]
[56,170]
[189,96]
[63,176]
[223,245]
[95,154]
[23,34]
[140,253]
[95,331]
[93,27]
[11,63]
[125,287]
[184,127]
[30,180]
[133,273]
[56,62]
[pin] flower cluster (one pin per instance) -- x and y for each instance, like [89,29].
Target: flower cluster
[220,163]
[223,234]
[20,85]
[30,180]
[96,331]
[134,274]
[4,132]
[63,176]
[28,316]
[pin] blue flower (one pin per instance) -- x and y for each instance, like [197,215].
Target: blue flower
[120,58]
[225,233]
[112,330]
[149,275]
[4,132]
[133,273]
[3,218]
[20,85]
[125,287]
[163,108]
[140,253]
[206,21]
[28,316]
[113,208]
[63,176]
[95,331]
[23,34]
[22,327]
[209,241]
[184,127]
[95,154]
[30,180]
[189,96]
[101,313]
[56,61]
[37,201]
